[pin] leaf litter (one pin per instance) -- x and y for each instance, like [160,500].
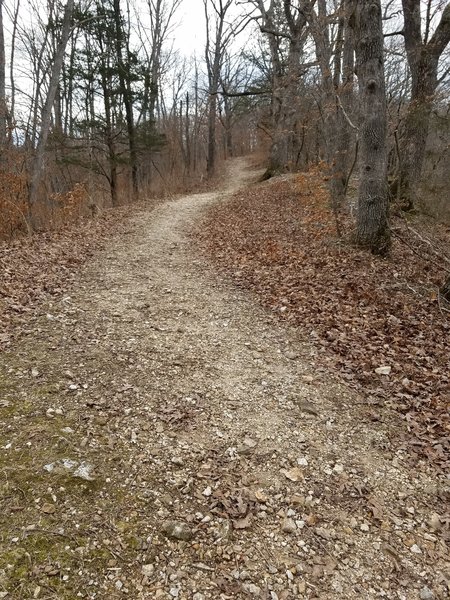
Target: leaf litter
[379,323]
[170,395]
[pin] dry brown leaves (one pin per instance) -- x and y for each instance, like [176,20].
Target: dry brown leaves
[33,269]
[360,311]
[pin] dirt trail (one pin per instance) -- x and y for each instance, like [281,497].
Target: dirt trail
[225,462]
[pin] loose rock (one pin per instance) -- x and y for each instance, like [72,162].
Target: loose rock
[177,531]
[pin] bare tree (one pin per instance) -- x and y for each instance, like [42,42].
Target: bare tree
[3,109]
[372,220]
[423,53]
[218,37]
[38,163]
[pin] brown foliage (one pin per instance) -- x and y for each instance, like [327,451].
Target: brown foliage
[33,269]
[361,312]
[13,203]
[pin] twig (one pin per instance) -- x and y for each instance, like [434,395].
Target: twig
[441,308]
[399,158]
[48,532]
[347,181]
[436,264]
[425,241]
[30,233]
[347,118]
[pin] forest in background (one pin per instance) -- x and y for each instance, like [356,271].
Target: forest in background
[97,109]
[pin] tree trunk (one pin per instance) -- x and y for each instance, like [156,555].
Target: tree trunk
[109,126]
[3,110]
[38,163]
[423,60]
[214,55]
[124,78]
[372,221]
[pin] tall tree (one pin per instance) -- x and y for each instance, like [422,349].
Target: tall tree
[125,76]
[3,110]
[38,163]
[423,53]
[284,26]
[372,220]
[218,37]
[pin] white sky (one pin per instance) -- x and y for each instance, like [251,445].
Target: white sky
[189,36]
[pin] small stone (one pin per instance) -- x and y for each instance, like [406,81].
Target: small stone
[338,468]
[294,474]
[288,526]
[291,355]
[198,596]
[48,509]
[251,588]
[415,549]
[325,534]
[435,522]
[426,594]
[174,592]
[384,370]
[148,570]
[298,500]
[177,531]
[303,462]
[177,461]
[364,527]
[34,372]
[119,585]
[207,492]
[261,496]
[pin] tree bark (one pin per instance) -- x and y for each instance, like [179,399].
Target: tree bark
[124,78]
[38,163]
[372,221]
[3,110]
[214,55]
[423,60]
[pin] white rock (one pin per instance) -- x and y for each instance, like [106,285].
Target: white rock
[385,370]
[148,570]
[426,594]
[415,549]
[207,492]
[252,589]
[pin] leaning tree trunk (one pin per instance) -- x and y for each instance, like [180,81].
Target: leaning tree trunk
[372,221]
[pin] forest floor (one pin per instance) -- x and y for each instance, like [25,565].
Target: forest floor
[163,435]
